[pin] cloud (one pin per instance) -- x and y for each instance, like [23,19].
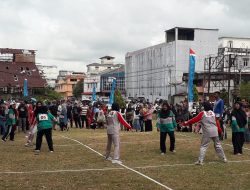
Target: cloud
[72,34]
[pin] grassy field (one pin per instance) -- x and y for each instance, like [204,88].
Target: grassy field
[74,166]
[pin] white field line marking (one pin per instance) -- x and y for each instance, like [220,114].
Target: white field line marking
[221,141]
[174,165]
[121,168]
[67,145]
[145,176]
[86,146]
[61,171]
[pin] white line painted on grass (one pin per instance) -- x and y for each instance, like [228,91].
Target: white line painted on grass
[110,169]
[141,174]
[221,141]
[61,171]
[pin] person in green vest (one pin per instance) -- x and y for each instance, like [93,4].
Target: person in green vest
[44,126]
[10,122]
[238,124]
[166,124]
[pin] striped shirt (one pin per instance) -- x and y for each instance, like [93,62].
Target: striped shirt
[84,110]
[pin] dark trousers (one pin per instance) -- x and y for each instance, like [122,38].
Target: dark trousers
[163,136]
[9,132]
[63,126]
[77,121]
[39,138]
[238,140]
[84,119]
[148,125]
[141,124]
[70,120]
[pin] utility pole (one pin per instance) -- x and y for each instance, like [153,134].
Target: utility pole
[170,81]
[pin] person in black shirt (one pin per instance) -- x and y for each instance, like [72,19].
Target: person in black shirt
[76,115]
[23,114]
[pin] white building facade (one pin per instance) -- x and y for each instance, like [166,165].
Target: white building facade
[49,72]
[157,71]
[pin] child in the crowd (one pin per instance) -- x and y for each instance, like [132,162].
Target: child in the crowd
[166,124]
[238,123]
[136,123]
[44,127]
[10,123]
[63,120]
[209,131]
[114,119]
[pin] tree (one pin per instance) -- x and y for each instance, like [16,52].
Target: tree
[78,89]
[196,94]
[119,99]
[245,90]
[224,95]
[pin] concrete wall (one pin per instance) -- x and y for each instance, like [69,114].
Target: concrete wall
[156,72]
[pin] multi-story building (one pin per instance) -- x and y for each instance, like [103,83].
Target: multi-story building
[49,72]
[156,71]
[95,71]
[66,84]
[16,65]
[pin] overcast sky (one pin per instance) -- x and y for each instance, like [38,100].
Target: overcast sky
[73,33]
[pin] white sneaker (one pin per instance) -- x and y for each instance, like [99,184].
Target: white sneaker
[199,163]
[225,160]
[173,151]
[163,153]
[109,158]
[116,162]
[37,152]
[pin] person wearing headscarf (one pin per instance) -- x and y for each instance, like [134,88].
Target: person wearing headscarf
[166,124]
[10,122]
[114,119]
[44,127]
[33,124]
[238,124]
[210,131]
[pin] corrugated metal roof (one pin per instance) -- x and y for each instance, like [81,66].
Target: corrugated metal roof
[13,74]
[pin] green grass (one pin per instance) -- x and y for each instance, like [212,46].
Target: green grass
[138,151]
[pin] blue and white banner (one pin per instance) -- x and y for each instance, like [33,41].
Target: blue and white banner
[112,93]
[191,79]
[94,92]
[25,87]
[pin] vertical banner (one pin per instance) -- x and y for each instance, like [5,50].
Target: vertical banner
[94,92]
[191,79]
[25,87]
[112,93]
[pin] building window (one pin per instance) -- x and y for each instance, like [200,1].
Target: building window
[15,78]
[96,68]
[73,80]
[29,73]
[230,44]
[245,62]
[109,67]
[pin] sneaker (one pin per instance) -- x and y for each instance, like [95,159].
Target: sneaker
[199,163]
[173,151]
[27,145]
[4,140]
[109,158]
[163,153]
[225,160]
[116,162]
[51,151]
[37,152]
